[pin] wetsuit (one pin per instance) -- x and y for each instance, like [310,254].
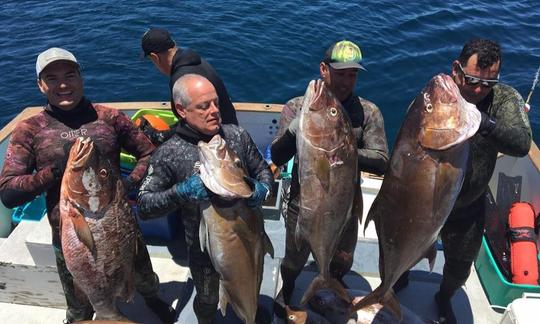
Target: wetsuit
[35,159]
[462,233]
[368,127]
[173,162]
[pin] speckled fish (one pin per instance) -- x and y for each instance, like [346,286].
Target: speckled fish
[98,231]
[422,183]
[327,169]
[231,232]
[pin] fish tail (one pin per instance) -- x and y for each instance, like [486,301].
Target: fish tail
[321,282]
[369,218]
[431,255]
[387,299]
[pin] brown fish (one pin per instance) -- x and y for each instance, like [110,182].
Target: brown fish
[327,169]
[97,228]
[231,232]
[422,183]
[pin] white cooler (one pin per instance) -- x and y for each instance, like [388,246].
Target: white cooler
[523,310]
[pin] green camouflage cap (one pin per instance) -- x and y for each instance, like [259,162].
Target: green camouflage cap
[344,55]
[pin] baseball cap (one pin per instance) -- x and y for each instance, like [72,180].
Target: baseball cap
[51,55]
[344,55]
[156,40]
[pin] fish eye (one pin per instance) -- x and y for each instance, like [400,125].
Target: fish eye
[103,173]
[291,317]
[333,112]
[429,108]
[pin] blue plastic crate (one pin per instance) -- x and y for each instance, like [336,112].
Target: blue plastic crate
[31,211]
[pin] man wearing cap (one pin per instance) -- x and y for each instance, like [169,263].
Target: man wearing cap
[175,62]
[339,70]
[38,151]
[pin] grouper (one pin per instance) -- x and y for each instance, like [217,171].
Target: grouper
[98,230]
[328,176]
[422,183]
[231,232]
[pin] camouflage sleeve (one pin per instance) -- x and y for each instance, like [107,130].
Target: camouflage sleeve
[133,140]
[18,183]
[284,144]
[157,194]
[257,166]
[512,134]
[373,148]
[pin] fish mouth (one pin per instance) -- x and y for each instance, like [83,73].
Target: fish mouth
[317,87]
[80,152]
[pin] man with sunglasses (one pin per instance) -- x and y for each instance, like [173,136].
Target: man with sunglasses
[339,70]
[504,129]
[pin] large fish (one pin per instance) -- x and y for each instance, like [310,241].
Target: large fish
[422,183]
[327,169]
[97,228]
[231,232]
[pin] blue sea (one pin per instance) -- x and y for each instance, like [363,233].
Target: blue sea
[265,51]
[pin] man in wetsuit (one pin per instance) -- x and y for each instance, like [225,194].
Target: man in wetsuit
[339,70]
[504,128]
[173,181]
[38,151]
[175,62]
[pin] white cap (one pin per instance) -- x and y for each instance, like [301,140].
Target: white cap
[51,55]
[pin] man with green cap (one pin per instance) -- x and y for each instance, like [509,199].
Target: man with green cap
[339,70]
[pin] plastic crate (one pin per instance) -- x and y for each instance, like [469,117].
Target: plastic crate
[498,289]
[163,228]
[128,161]
[31,211]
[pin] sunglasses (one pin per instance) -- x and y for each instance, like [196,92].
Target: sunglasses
[474,81]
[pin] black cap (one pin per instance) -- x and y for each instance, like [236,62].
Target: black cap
[156,40]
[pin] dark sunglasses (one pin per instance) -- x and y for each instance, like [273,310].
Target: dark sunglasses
[474,81]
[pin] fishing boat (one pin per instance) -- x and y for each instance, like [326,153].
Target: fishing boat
[30,290]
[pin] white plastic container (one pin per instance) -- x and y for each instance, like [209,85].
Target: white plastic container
[523,310]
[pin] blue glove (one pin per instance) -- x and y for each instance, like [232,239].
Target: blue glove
[260,193]
[192,189]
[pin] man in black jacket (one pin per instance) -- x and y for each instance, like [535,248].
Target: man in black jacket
[175,62]
[173,182]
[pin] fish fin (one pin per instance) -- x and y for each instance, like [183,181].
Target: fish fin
[82,229]
[323,173]
[431,255]
[223,300]
[203,237]
[390,301]
[369,218]
[319,283]
[268,247]
[358,204]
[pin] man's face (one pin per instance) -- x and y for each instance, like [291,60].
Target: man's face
[474,92]
[202,114]
[341,82]
[61,82]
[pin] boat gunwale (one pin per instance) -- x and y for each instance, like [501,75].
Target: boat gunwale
[534,151]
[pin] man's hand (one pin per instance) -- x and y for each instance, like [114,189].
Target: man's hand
[259,195]
[192,189]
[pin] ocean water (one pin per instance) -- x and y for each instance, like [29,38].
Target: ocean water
[265,51]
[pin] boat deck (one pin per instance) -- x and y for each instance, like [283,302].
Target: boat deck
[28,245]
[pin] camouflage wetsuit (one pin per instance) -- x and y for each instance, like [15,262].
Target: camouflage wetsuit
[368,125]
[173,162]
[35,158]
[462,233]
